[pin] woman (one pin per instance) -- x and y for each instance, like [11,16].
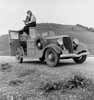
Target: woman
[30,21]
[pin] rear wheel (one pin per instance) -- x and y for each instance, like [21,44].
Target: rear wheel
[19,59]
[51,57]
[80,59]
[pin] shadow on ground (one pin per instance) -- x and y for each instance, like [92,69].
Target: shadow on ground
[61,63]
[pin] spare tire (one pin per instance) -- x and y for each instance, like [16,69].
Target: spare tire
[40,42]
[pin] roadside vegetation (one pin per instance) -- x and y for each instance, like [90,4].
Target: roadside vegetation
[86,28]
[17,83]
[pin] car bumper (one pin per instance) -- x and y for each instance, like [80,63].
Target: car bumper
[73,55]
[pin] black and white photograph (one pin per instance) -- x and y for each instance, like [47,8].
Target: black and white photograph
[46,50]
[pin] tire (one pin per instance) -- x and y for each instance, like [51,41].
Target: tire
[40,42]
[19,59]
[51,57]
[80,59]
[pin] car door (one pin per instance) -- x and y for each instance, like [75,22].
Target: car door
[32,50]
[14,42]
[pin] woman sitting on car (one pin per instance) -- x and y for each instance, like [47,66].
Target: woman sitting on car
[30,21]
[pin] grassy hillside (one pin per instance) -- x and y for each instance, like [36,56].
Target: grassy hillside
[74,31]
[4,45]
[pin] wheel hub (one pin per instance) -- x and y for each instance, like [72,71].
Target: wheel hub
[51,57]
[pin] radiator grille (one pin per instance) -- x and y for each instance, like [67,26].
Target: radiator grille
[68,44]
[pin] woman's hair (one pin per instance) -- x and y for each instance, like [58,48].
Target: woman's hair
[29,12]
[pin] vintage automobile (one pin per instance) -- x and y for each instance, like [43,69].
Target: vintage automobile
[46,46]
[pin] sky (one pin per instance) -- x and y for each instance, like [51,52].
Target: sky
[66,12]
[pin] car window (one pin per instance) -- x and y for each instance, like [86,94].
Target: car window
[14,35]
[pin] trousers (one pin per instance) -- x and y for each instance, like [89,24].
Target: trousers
[26,27]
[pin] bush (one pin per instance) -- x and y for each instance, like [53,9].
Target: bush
[75,84]
[5,67]
[78,80]
[15,82]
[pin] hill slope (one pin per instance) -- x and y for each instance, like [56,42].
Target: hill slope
[74,31]
[4,45]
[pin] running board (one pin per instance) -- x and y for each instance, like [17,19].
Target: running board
[73,55]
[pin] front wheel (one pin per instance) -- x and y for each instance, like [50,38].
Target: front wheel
[51,57]
[80,59]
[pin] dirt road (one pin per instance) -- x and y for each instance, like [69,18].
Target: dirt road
[63,67]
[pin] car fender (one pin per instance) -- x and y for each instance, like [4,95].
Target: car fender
[81,47]
[53,46]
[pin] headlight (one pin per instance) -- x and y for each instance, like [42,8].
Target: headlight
[75,41]
[60,42]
